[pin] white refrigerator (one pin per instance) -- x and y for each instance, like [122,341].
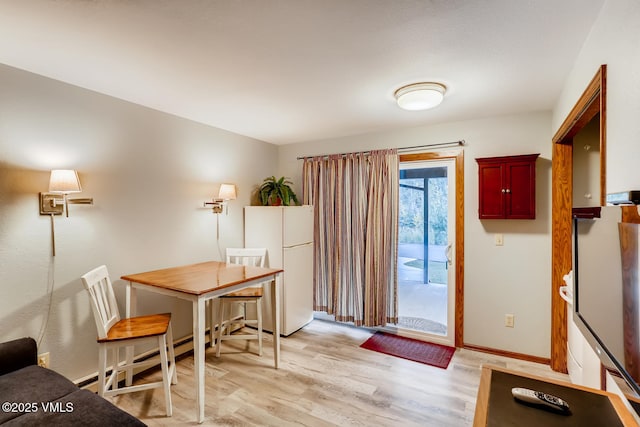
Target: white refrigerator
[287,233]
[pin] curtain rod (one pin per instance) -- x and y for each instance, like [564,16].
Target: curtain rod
[437,144]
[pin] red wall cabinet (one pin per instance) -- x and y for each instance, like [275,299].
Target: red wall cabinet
[507,187]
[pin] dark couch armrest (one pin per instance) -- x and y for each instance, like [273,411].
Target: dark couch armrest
[17,354]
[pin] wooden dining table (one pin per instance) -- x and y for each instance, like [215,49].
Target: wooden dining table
[198,283]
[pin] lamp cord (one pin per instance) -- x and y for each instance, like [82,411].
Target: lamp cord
[50,287]
[218,236]
[53,237]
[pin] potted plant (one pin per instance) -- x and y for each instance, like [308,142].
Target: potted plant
[276,192]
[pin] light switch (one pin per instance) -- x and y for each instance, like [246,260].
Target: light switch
[509,320]
[499,239]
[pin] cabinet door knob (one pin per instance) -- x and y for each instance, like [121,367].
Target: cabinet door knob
[508,190]
[504,191]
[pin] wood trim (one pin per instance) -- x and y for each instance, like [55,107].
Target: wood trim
[511,354]
[458,155]
[435,155]
[591,102]
[584,110]
[505,159]
[629,258]
[603,135]
[482,401]
[459,332]
[630,214]
[561,249]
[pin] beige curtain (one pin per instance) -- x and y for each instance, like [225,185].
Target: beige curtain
[355,198]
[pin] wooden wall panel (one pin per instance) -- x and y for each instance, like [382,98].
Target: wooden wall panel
[561,250]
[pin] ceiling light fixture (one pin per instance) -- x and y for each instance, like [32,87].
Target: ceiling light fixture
[420,96]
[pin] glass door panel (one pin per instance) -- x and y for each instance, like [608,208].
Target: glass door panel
[426,294]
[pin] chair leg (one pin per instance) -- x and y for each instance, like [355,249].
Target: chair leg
[116,366]
[225,323]
[102,369]
[162,343]
[222,306]
[228,319]
[259,316]
[212,323]
[242,322]
[172,356]
[129,361]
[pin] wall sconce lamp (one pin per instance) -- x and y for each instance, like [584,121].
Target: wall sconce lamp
[227,192]
[62,182]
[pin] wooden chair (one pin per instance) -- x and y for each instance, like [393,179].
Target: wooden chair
[251,257]
[115,333]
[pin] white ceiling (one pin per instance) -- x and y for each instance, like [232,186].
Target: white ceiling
[286,71]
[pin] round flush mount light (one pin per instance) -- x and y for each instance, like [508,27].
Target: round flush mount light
[420,96]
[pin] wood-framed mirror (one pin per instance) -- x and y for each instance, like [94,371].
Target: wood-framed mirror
[585,126]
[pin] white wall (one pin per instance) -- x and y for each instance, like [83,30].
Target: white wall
[514,278]
[149,174]
[614,40]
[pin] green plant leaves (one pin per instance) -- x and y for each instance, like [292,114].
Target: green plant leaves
[275,192]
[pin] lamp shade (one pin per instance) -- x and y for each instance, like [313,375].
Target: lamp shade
[64,181]
[420,96]
[227,192]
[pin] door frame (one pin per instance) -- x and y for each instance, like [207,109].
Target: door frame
[458,156]
[592,101]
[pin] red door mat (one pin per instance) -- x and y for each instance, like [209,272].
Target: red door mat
[407,348]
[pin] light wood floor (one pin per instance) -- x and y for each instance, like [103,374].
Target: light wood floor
[325,379]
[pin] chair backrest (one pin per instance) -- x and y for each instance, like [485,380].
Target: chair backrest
[103,301]
[254,257]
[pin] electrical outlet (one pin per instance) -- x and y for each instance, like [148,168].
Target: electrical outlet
[499,239]
[508,320]
[43,360]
